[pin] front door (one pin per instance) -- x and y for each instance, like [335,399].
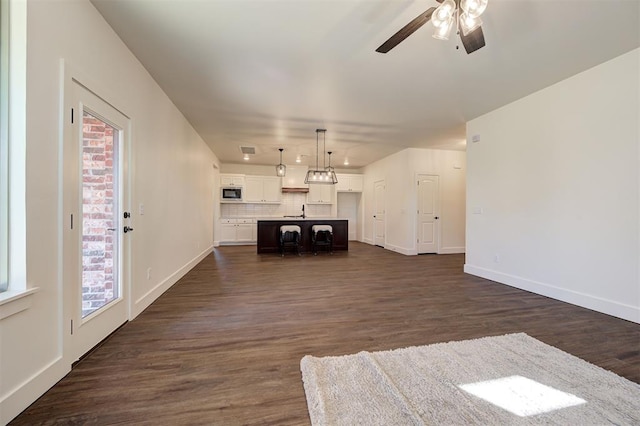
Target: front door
[428,230]
[379,214]
[95,194]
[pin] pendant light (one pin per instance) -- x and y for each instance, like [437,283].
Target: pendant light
[317,176]
[331,170]
[281,169]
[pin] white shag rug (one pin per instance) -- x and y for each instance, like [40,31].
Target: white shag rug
[505,380]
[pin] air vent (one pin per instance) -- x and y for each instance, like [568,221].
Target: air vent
[248,149]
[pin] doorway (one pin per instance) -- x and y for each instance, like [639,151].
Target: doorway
[428,206]
[379,216]
[95,225]
[349,208]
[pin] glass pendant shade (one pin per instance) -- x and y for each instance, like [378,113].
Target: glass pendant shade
[469,23]
[317,176]
[448,7]
[442,31]
[473,7]
[443,13]
[281,169]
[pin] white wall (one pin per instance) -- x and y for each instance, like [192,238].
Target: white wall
[399,171]
[556,176]
[172,175]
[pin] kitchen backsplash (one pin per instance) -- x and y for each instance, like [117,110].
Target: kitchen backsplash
[291,206]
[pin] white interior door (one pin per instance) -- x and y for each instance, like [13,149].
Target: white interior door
[428,204]
[379,221]
[94,234]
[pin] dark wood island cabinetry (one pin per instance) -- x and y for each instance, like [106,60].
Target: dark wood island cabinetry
[269,233]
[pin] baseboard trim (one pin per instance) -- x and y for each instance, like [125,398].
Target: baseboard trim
[401,250]
[149,297]
[18,399]
[451,250]
[598,304]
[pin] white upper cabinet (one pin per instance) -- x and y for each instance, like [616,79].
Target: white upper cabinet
[320,194]
[350,183]
[272,187]
[232,180]
[262,189]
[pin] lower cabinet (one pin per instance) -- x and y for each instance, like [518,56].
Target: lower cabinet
[238,231]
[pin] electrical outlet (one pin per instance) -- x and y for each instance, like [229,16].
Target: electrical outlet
[148,273]
[496,258]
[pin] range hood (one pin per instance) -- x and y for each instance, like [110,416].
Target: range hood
[293,181]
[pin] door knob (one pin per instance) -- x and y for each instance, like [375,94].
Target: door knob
[127,229]
[436,218]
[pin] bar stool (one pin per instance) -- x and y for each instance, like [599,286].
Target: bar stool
[322,235]
[290,237]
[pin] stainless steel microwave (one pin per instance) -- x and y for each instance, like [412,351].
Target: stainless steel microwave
[231,194]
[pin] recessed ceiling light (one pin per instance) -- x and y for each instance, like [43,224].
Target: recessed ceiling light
[346,162]
[298,159]
[246,157]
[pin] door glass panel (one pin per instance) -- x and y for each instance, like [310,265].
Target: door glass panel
[100,218]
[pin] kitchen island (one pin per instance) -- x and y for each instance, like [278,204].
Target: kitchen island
[269,232]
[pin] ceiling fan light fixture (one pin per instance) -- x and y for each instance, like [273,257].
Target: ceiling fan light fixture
[469,23]
[474,8]
[443,18]
[281,169]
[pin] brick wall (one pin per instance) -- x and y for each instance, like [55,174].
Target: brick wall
[98,286]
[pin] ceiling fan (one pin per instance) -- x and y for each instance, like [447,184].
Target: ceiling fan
[464,14]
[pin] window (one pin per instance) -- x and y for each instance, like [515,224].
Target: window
[13,80]
[4,136]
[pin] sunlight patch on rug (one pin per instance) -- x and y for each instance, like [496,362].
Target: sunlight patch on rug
[522,396]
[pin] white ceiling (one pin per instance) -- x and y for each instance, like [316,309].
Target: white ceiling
[268,73]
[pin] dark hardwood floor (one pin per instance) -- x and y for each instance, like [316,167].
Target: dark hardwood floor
[223,345]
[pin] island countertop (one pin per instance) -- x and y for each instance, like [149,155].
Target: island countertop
[298,218]
[269,232]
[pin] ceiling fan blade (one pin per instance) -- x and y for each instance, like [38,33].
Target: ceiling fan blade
[473,41]
[406,31]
